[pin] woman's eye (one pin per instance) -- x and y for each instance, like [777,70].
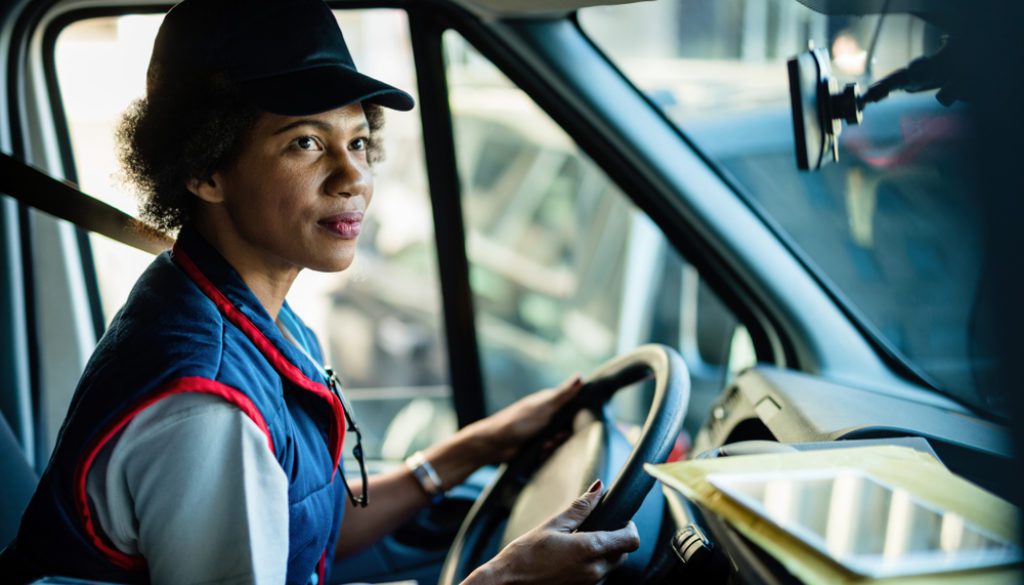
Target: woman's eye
[360,144]
[306,143]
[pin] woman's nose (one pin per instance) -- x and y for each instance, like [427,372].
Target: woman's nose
[349,174]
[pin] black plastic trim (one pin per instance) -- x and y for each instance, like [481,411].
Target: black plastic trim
[32,331]
[466,372]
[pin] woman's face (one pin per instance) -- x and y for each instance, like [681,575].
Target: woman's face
[295,198]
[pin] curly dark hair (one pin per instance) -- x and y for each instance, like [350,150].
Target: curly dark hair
[191,131]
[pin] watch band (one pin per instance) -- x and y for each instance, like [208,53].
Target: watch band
[426,475]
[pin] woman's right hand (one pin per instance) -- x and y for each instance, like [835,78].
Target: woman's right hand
[553,553]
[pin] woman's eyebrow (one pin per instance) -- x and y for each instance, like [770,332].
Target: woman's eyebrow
[319,124]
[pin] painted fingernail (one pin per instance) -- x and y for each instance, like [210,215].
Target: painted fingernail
[594,487]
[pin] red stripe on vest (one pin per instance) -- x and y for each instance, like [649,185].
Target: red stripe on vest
[321,569]
[268,349]
[176,386]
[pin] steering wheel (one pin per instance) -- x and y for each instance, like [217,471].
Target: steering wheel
[529,489]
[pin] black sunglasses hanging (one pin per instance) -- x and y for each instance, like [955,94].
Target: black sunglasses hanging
[361,500]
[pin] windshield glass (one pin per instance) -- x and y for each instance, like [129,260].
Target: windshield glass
[889,227]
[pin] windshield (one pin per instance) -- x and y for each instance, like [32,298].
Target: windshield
[889,227]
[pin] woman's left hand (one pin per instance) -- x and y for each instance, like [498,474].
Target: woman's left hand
[501,434]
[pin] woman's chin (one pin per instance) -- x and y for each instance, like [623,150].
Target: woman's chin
[333,264]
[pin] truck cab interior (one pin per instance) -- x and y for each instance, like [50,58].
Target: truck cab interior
[604,188]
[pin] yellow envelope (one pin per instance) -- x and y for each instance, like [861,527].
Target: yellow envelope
[916,472]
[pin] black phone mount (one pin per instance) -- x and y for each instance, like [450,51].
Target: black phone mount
[820,106]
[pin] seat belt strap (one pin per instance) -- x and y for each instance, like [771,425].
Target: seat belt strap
[63,200]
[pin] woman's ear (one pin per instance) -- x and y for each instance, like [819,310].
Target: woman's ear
[208,189]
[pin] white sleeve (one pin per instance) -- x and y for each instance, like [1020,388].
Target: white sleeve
[191,486]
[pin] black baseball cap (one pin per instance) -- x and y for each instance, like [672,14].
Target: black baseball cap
[287,56]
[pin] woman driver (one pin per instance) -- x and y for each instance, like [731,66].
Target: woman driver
[204,439]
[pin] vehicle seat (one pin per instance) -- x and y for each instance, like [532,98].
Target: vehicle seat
[17,485]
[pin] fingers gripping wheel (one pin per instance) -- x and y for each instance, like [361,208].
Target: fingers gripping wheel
[481,533]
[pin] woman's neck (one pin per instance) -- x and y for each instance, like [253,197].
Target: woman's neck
[267,277]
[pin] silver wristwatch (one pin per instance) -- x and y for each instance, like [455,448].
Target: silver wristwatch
[426,475]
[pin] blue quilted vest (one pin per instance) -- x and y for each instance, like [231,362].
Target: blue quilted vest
[192,325]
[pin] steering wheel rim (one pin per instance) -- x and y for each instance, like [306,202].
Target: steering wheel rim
[625,493]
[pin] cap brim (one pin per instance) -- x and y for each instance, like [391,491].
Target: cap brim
[316,90]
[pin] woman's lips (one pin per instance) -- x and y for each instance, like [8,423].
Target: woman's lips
[343,225]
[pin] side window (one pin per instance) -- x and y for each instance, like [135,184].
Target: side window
[566,272]
[379,321]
